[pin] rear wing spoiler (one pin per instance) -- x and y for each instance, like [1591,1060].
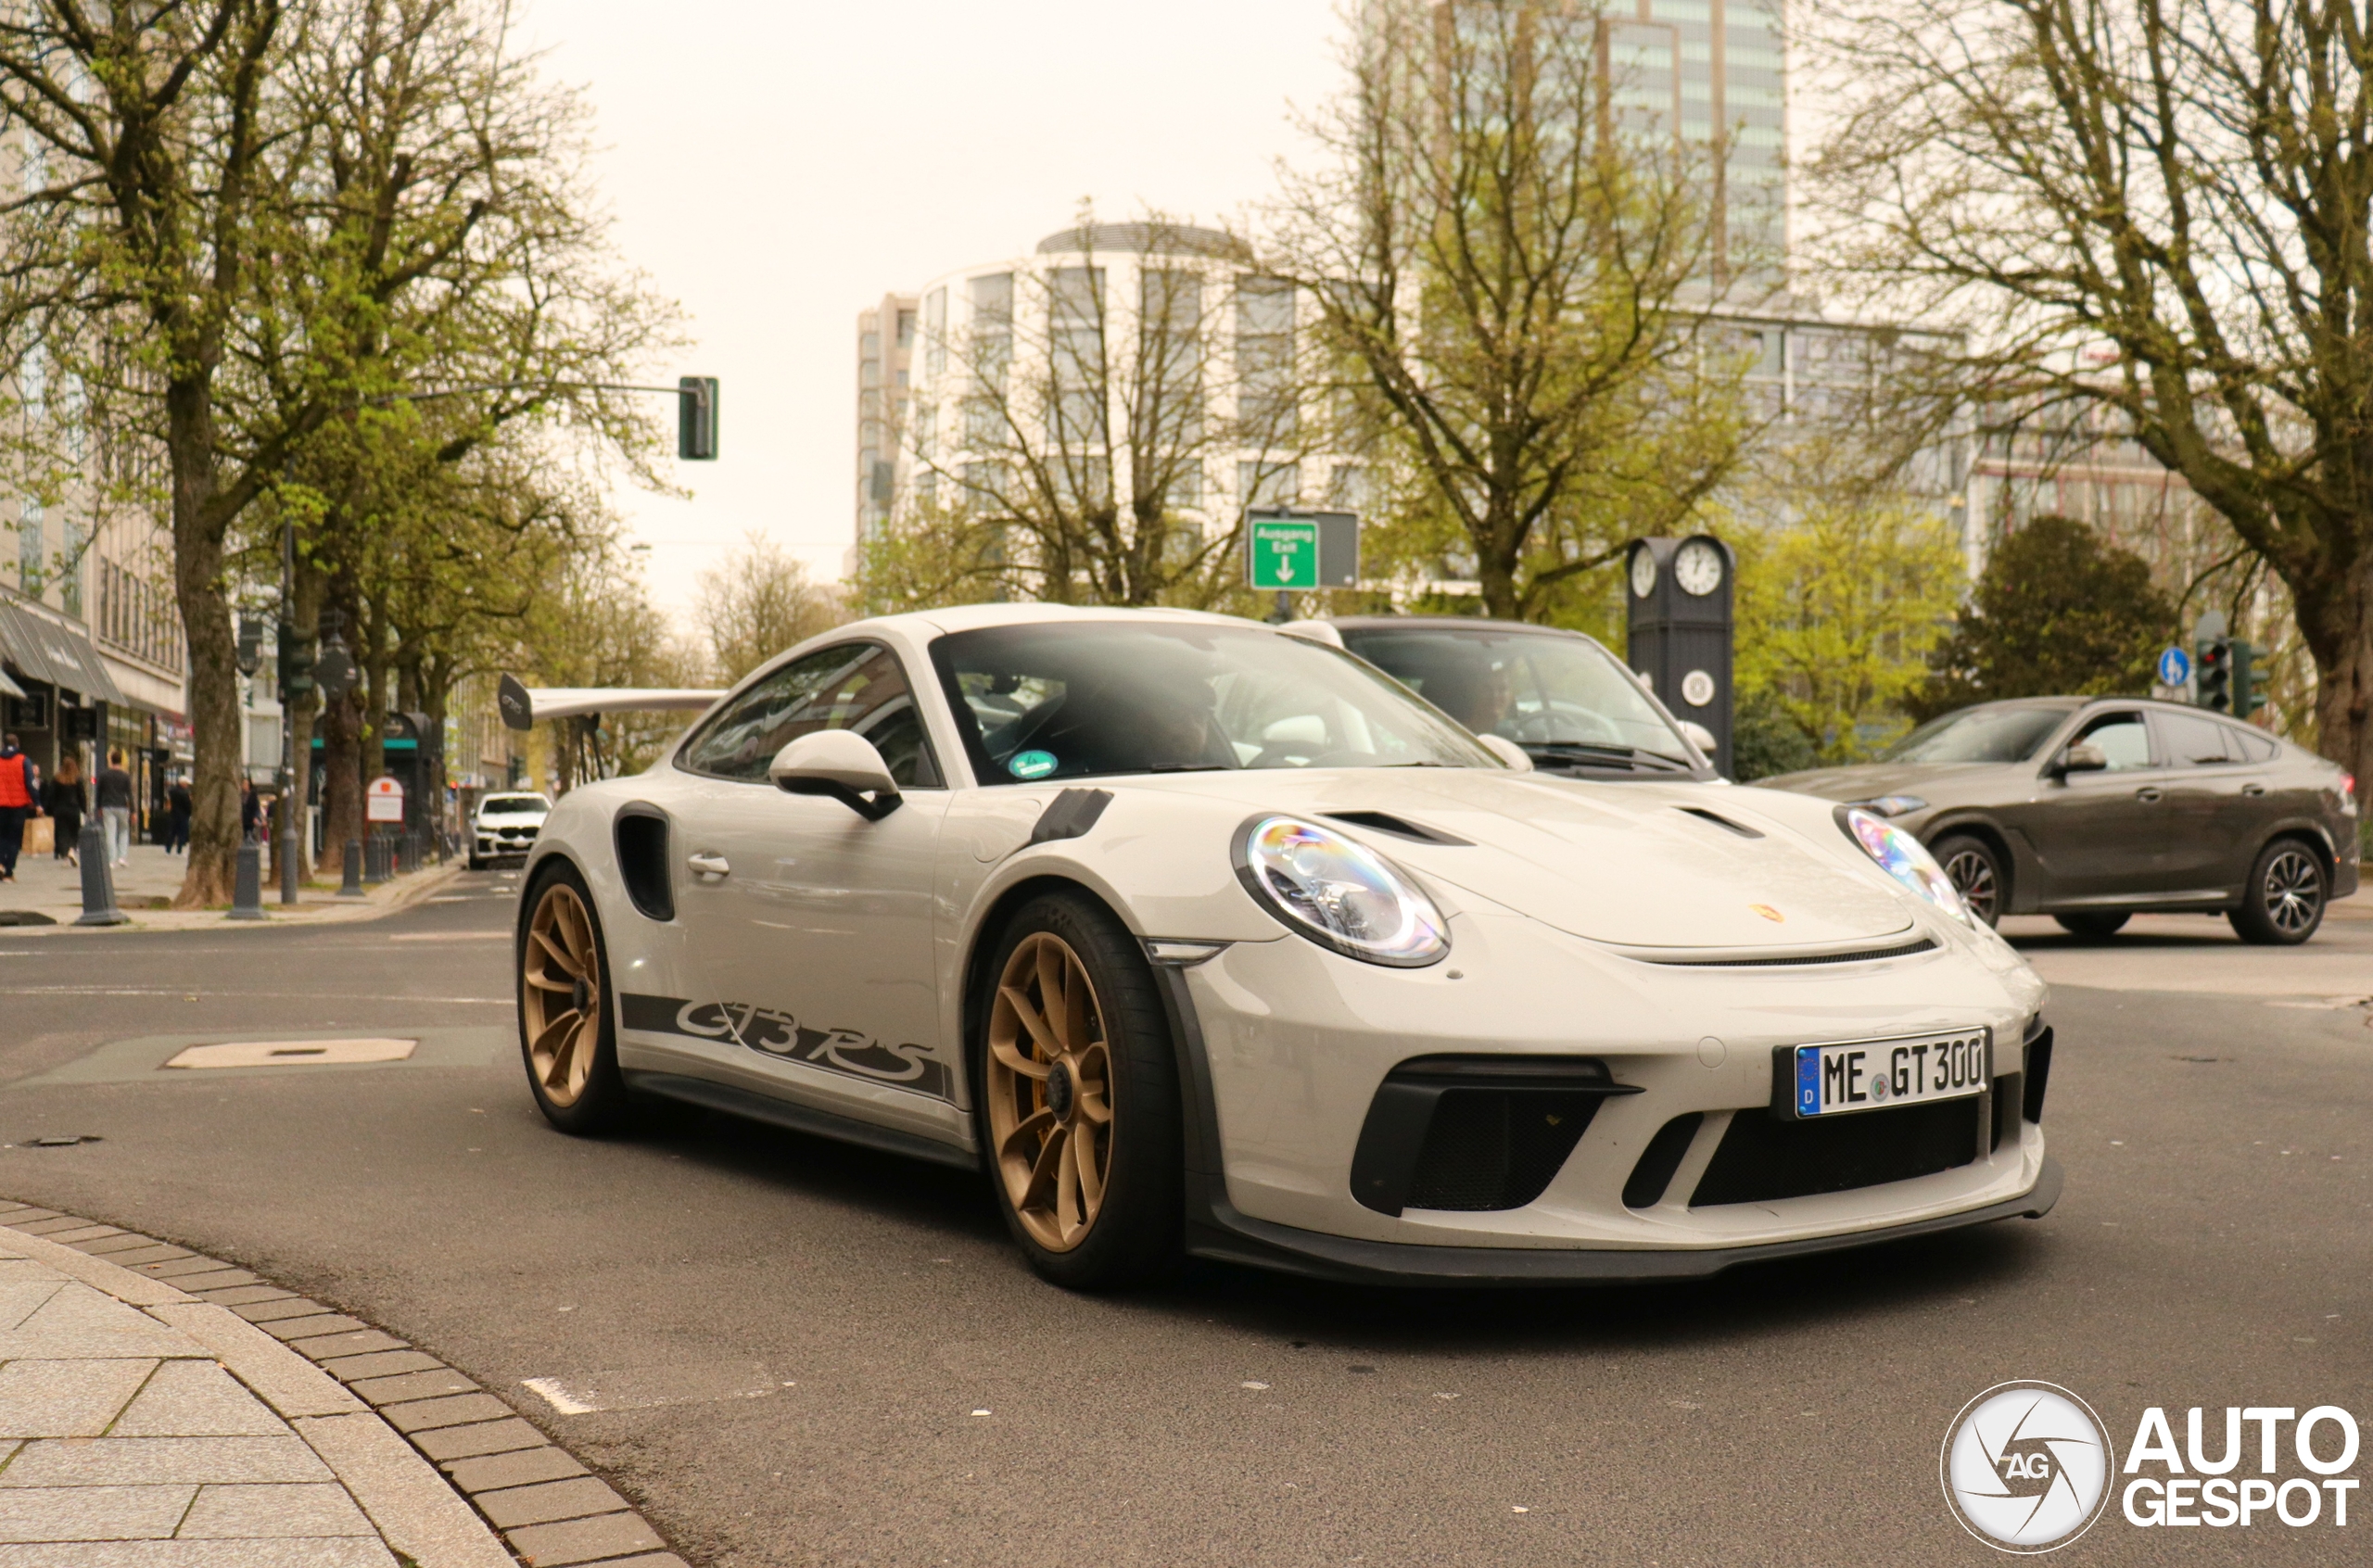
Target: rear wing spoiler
[524,706]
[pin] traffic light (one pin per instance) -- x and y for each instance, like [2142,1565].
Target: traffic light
[696,418]
[296,664]
[2247,698]
[2216,674]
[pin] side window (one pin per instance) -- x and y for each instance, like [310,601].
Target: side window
[2194,742]
[857,686]
[2122,739]
[2249,743]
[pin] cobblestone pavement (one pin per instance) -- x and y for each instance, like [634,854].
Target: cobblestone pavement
[159,1408]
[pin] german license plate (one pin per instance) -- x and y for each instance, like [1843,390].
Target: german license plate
[1876,1074]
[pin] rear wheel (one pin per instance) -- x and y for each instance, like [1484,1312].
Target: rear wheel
[1079,1097]
[567,1032]
[2095,923]
[2283,901]
[1977,873]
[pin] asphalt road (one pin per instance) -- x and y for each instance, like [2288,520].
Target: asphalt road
[805,1334]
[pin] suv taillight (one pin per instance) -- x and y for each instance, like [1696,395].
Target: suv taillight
[2348,794]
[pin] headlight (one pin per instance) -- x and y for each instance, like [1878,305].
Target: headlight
[1894,805]
[1339,894]
[1905,858]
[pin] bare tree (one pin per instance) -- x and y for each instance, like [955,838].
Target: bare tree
[758,602]
[2153,207]
[1104,419]
[1521,281]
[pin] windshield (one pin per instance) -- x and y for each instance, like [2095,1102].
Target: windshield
[1979,734]
[1079,699]
[513,805]
[1542,691]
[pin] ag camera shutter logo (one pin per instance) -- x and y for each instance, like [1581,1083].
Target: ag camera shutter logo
[2026,1467]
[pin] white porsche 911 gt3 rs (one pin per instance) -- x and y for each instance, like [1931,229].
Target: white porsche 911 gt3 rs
[1197,935]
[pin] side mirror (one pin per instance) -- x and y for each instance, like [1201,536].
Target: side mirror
[2081,757]
[1700,736]
[841,764]
[1508,752]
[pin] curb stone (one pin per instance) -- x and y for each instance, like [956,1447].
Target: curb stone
[350,1408]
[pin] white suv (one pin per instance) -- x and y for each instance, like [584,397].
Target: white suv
[504,825]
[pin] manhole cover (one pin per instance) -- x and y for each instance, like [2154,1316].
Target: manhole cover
[293,1053]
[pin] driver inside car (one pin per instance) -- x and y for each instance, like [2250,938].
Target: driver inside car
[1131,723]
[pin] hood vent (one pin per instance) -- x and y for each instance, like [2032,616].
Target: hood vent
[1719,820]
[1399,827]
[1867,955]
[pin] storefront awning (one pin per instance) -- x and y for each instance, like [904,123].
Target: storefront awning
[10,688]
[54,650]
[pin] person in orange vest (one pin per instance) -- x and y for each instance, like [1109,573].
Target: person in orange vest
[19,800]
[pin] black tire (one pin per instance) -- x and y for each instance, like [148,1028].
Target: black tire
[2095,924]
[1977,874]
[2282,903]
[597,1101]
[476,864]
[1133,1235]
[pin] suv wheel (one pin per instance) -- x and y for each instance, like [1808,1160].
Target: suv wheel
[1977,873]
[2095,924]
[2283,901]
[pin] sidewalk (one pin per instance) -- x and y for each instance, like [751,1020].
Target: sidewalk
[142,1426]
[54,887]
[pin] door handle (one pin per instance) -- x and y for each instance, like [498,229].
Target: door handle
[2148,793]
[708,865]
[2253,789]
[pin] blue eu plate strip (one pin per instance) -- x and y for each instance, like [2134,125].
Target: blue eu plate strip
[1808,1080]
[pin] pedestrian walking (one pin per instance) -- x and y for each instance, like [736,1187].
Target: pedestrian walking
[19,802]
[251,811]
[68,803]
[177,816]
[115,809]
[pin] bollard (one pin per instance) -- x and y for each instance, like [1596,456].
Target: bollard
[352,887]
[99,887]
[374,860]
[247,894]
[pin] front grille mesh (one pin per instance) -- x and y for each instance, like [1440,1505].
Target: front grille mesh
[1763,1159]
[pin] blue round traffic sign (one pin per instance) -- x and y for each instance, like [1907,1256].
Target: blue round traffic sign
[2174,667]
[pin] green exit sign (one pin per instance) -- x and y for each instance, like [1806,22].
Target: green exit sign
[1285,552]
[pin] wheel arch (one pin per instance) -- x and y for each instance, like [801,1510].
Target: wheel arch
[1993,838]
[2306,833]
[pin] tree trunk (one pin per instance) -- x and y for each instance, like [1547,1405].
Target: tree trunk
[306,616]
[201,593]
[2341,641]
[341,784]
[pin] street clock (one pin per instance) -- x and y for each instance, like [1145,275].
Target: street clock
[1699,567]
[1681,629]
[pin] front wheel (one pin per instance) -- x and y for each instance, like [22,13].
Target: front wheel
[1976,874]
[567,1033]
[2095,924]
[2283,902]
[1079,1097]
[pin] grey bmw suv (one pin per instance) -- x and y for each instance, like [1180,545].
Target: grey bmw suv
[2091,809]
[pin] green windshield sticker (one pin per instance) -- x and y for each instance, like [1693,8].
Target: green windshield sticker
[1031,764]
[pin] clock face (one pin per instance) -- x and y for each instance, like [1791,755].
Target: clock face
[1697,567]
[1644,572]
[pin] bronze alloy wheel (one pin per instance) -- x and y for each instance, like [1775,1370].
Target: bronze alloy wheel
[1050,1092]
[561,998]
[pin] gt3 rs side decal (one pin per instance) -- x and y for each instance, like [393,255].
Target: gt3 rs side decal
[778,1034]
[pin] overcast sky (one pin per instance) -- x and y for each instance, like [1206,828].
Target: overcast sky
[778,168]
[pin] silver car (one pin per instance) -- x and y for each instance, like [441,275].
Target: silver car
[2091,809]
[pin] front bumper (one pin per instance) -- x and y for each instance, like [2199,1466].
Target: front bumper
[1216,1230]
[1284,1048]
